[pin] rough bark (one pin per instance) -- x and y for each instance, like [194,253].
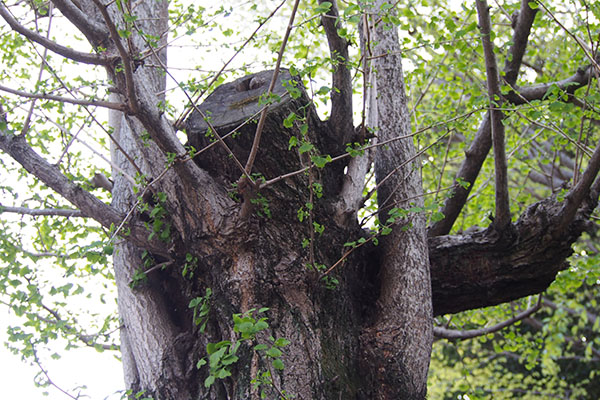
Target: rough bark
[367,338]
[397,345]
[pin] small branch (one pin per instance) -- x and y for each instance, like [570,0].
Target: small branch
[97,103]
[90,206]
[184,159]
[502,219]
[88,340]
[579,192]
[590,316]
[263,115]
[443,333]
[27,122]
[57,212]
[576,342]
[49,381]
[579,42]
[125,57]
[86,58]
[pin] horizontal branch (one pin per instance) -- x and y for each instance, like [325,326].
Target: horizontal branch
[58,212]
[527,94]
[90,206]
[444,333]
[97,103]
[86,58]
[476,269]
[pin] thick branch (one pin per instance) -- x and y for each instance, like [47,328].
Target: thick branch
[477,152]
[341,93]
[527,94]
[90,206]
[96,33]
[67,52]
[477,269]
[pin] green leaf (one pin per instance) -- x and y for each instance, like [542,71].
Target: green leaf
[323,8]
[278,364]
[306,146]
[274,352]
[289,121]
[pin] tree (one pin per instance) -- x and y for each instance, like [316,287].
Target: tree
[241,265]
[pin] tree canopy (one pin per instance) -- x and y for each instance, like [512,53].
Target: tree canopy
[255,160]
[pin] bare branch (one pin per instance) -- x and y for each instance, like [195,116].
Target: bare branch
[579,192]
[125,56]
[97,103]
[59,212]
[502,219]
[444,333]
[477,152]
[86,58]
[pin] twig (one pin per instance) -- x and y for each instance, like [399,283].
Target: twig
[444,333]
[180,120]
[204,117]
[383,143]
[49,381]
[27,122]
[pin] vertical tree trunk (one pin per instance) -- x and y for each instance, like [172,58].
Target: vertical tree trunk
[398,345]
[259,260]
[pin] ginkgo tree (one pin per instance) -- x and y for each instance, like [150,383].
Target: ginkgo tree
[301,219]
